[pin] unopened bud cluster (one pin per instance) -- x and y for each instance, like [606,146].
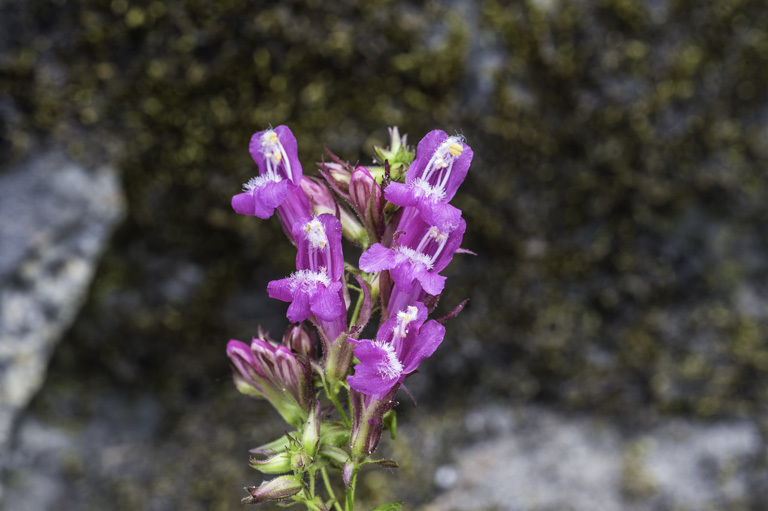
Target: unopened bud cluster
[399,214]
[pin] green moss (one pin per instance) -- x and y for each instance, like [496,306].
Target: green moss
[616,199]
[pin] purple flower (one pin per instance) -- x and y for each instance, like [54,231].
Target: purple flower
[315,287]
[432,179]
[276,154]
[421,253]
[272,372]
[402,342]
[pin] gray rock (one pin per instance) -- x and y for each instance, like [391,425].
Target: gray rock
[539,459]
[56,218]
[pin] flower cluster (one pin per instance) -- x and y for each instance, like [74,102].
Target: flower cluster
[400,214]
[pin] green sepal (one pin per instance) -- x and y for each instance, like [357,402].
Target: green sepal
[383,463]
[274,447]
[390,423]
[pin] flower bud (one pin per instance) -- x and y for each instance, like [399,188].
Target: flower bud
[348,472]
[398,154]
[352,229]
[367,198]
[302,340]
[278,464]
[299,460]
[368,420]
[322,201]
[273,447]
[273,372]
[337,174]
[277,489]
[249,379]
[337,361]
[311,436]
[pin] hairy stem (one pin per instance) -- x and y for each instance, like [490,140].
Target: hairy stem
[358,306]
[333,395]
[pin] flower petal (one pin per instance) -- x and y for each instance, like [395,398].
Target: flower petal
[377,258]
[242,203]
[299,309]
[451,246]
[430,336]
[458,172]
[400,194]
[269,196]
[368,378]
[424,151]
[281,289]
[440,214]
[327,303]
[404,274]
[432,282]
[285,136]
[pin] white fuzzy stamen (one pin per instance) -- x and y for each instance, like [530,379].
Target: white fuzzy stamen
[307,279]
[259,181]
[390,367]
[415,257]
[427,189]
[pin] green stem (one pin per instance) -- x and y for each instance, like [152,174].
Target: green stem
[311,472]
[329,487]
[358,306]
[350,493]
[334,397]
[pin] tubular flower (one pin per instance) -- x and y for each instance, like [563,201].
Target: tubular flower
[315,288]
[432,179]
[402,342]
[276,153]
[421,253]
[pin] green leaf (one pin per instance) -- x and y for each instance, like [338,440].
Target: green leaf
[391,506]
[383,463]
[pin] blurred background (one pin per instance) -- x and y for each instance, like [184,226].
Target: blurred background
[613,354]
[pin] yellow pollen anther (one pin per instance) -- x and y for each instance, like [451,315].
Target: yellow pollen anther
[273,138]
[455,149]
[308,227]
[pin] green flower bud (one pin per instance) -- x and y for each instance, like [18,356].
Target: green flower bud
[311,436]
[277,464]
[278,488]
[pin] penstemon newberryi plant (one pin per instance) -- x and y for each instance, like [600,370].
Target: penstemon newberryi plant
[338,394]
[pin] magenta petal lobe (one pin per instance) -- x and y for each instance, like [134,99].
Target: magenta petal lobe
[242,203]
[377,258]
